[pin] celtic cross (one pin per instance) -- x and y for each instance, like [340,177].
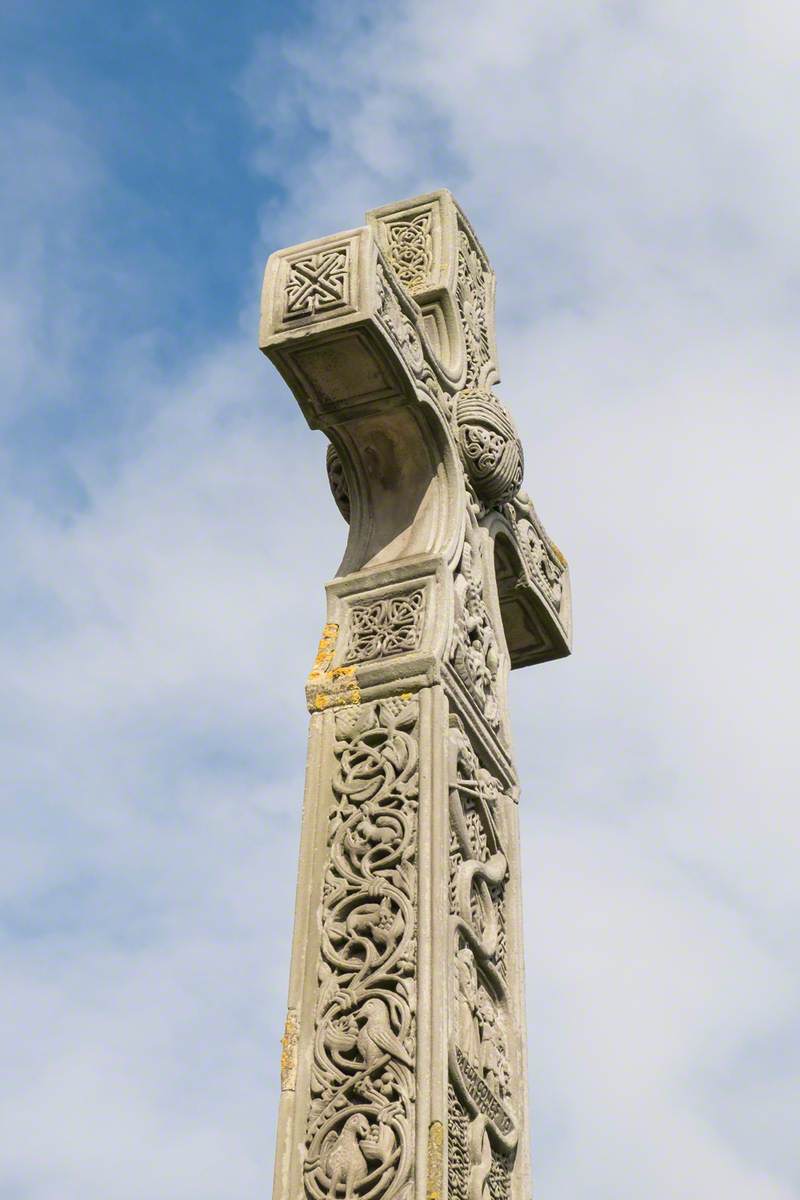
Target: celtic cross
[403,1069]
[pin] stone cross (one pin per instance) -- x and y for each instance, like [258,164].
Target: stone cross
[403,1072]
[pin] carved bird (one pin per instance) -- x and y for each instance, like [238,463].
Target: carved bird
[376,1037]
[342,1159]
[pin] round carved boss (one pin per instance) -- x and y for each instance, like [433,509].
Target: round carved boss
[490,445]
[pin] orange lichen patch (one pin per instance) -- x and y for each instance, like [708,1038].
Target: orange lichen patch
[435,1148]
[329,686]
[289,1052]
[325,651]
[557,552]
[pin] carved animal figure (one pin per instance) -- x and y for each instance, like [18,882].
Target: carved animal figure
[342,1159]
[376,1038]
[369,830]
[378,921]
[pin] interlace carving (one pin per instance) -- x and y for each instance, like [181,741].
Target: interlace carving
[410,248]
[473,648]
[317,282]
[337,481]
[385,627]
[485,1129]
[359,1141]
[471,301]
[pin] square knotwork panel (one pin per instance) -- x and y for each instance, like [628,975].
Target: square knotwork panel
[384,627]
[317,283]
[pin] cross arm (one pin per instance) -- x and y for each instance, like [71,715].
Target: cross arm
[385,334]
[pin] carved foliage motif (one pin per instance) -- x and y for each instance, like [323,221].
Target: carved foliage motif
[359,1140]
[473,649]
[471,299]
[410,248]
[385,627]
[317,283]
[483,1130]
[400,327]
[403,333]
[543,559]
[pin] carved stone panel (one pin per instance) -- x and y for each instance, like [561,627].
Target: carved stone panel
[409,248]
[474,649]
[317,282]
[385,627]
[485,1100]
[474,299]
[360,1133]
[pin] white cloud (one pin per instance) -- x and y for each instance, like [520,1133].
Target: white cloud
[632,169]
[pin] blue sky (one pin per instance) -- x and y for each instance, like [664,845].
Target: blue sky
[165,525]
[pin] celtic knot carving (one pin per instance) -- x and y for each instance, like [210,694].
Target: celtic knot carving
[472,304]
[337,481]
[359,1139]
[485,1129]
[317,282]
[384,627]
[410,248]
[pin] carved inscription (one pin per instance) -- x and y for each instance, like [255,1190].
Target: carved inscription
[482,1096]
[359,1140]
[385,627]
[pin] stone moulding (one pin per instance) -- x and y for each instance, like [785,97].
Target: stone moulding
[404,1055]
